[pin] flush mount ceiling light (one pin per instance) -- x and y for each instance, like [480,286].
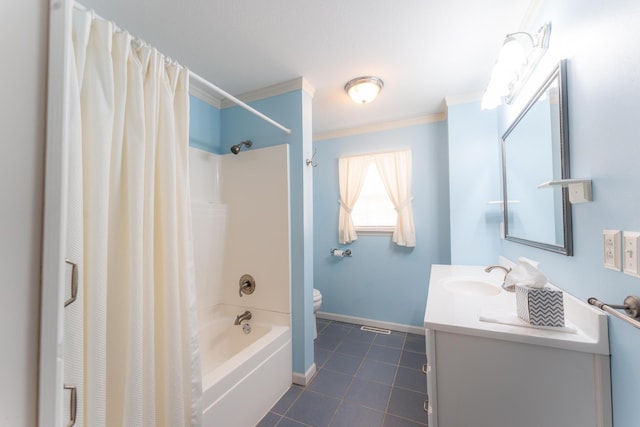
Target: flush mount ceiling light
[519,55]
[364,89]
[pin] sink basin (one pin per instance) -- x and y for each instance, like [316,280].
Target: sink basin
[471,286]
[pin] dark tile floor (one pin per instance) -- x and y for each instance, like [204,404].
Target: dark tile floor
[364,379]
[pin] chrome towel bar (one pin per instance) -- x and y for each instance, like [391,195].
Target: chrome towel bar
[631,307]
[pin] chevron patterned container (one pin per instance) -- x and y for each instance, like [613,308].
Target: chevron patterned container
[540,307]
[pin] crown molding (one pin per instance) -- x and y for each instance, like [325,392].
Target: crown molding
[463,98]
[307,87]
[377,127]
[299,83]
[204,94]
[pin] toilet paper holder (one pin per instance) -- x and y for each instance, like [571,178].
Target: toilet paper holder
[340,252]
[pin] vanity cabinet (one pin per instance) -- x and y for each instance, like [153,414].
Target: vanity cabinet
[484,382]
[482,374]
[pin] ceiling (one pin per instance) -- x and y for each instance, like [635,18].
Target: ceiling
[424,50]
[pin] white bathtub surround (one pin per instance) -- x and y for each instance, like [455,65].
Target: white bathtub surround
[255,186]
[129,135]
[244,375]
[241,226]
[205,176]
[210,225]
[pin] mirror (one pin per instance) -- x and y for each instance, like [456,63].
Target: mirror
[535,149]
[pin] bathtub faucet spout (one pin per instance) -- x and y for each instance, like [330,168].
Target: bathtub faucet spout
[244,316]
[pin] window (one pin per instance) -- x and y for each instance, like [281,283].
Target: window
[379,172]
[374,211]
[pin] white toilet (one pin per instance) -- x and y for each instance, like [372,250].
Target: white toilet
[317,302]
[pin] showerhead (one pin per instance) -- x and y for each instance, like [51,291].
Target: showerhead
[235,149]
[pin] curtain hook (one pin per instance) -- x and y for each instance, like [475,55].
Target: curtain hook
[311,161]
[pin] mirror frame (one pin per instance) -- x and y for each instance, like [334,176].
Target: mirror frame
[560,74]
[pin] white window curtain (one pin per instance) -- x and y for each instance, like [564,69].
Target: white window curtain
[395,172]
[352,172]
[142,363]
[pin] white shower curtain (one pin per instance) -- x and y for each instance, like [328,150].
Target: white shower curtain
[142,363]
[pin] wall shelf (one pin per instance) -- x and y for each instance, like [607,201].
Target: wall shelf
[579,188]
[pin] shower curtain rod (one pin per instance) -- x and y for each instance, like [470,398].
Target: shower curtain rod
[209,85]
[237,101]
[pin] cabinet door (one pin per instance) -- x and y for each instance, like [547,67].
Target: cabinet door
[487,382]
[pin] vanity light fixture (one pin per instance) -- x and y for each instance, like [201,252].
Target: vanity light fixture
[364,89]
[519,55]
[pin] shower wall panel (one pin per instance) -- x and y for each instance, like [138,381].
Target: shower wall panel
[209,229]
[255,187]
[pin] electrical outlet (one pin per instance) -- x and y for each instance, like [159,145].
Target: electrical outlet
[611,249]
[631,257]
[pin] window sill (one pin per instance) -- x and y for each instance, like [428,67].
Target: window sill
[375,231]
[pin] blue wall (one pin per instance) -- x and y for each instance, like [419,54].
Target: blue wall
[600,41]
[474,180]
[383,281]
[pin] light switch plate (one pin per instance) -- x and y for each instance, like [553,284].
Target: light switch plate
[630,253]
[611,249]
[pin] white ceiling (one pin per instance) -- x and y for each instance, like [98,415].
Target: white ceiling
[424,50]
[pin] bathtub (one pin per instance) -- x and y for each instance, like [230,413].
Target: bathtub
[243,375]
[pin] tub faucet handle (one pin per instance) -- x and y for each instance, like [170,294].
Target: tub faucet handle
[246,285]
[243,287]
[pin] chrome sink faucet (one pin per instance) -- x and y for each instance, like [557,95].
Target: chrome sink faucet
[508,288]
[244,316]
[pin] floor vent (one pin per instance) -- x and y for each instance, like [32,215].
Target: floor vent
[375,330]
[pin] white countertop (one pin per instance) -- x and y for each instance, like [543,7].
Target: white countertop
[456,312]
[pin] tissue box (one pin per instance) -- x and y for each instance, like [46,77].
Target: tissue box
[540,307]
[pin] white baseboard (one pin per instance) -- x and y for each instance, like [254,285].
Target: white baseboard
[369,322]
[304,379]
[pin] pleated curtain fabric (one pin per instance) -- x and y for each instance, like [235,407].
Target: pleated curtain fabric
[395,169]
[352,172]
[142,363]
